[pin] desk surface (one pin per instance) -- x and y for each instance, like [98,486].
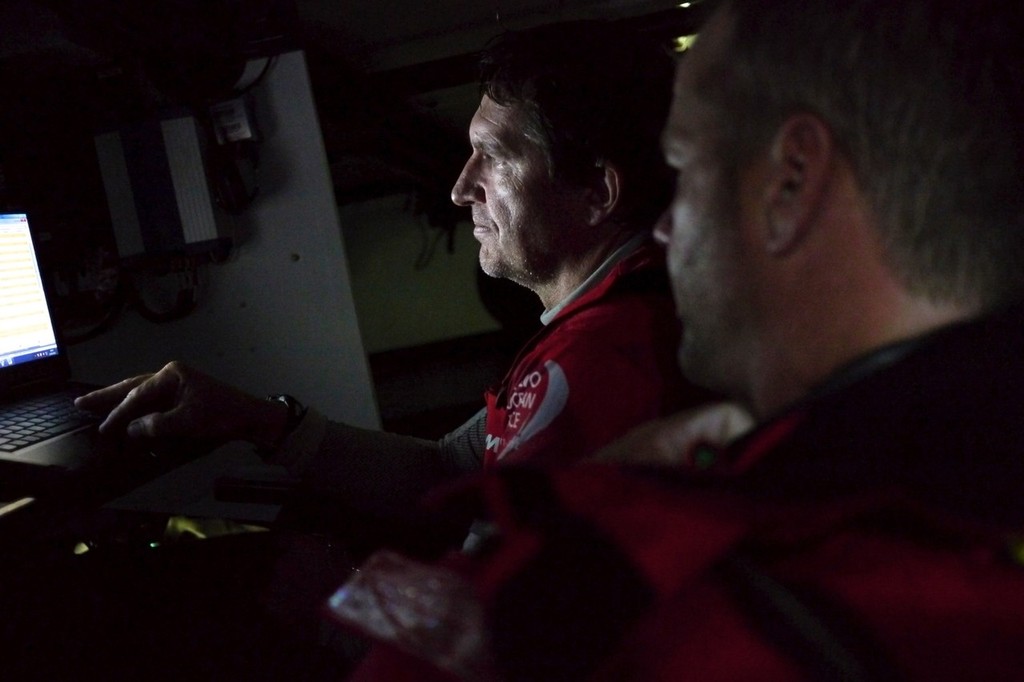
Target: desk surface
[74,510]
[188,490]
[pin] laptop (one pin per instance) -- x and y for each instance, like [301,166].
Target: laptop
[40,429]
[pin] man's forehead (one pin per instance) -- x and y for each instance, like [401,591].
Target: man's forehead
[501,125]
[689,103]
[708,50]
[494,120]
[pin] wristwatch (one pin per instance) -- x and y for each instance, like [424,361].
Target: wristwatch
[296,411]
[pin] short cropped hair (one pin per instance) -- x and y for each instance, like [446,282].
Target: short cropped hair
[592,93]
[924,98]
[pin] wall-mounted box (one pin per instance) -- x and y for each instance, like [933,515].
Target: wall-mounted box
[157,189]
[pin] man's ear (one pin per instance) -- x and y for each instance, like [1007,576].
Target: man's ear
[604,195]
[801,161]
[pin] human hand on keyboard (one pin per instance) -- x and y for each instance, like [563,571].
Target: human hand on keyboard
[181,403]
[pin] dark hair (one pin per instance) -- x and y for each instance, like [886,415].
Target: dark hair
[592,93]
[924,98]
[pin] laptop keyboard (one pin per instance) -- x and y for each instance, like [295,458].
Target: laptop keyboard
[35,420]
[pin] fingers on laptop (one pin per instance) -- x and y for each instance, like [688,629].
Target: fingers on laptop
[144,396]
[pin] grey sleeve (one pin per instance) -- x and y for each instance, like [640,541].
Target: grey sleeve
[463,449]
[377,471]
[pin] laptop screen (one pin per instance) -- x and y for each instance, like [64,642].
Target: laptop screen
[26,329]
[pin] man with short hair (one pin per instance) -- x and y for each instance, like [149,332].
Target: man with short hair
[846,244]
[564,182]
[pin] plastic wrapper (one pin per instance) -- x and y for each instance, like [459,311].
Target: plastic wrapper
[428,611]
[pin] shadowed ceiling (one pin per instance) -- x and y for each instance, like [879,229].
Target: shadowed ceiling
[394,80]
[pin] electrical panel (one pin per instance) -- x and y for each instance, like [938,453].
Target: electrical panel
[157,190]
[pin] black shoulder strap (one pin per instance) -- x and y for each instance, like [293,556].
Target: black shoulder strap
[818,634]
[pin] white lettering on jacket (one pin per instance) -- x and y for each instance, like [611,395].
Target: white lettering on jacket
[550,387]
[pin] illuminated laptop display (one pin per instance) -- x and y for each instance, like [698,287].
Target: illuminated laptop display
[41,434]
[26,329]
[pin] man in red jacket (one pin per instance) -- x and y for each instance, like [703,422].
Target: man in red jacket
[846,244]
[564,182]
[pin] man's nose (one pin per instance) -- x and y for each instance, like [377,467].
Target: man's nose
[467,189]
[663,228]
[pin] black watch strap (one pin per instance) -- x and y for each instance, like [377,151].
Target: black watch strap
[296,411]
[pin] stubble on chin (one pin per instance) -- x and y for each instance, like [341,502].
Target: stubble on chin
[696,358]
[489,260]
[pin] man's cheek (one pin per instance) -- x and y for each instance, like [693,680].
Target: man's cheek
[685,242]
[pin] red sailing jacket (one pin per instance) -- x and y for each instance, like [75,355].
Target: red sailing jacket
[872,532]
[605,364]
